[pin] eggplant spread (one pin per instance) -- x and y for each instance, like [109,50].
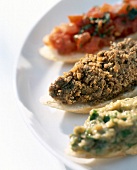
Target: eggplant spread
[108,132]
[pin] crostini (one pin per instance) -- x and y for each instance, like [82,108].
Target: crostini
[91,32]
[108,132]
[97,79]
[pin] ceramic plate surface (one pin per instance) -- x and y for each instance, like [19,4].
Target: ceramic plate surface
[34,74]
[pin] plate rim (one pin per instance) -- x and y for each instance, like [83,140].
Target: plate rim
[21,105]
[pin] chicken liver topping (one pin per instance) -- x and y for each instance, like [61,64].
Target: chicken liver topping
[99,77]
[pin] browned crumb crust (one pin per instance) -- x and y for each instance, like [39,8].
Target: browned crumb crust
[100,77]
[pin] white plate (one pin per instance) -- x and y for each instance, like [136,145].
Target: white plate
[33,77]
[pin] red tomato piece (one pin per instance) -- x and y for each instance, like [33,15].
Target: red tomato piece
[106,8]
[75,18]
[95,12]
[81,39]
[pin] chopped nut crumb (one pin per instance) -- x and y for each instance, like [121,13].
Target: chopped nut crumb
[100,77]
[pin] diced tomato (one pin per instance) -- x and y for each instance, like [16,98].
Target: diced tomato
[133,4]
[95,12]
[70,28]
[134,25]
[123,8]
[75,18]
[119,9]
[127,1]
[106,8]
[94,30]
[81,39]
[119,27]
[93,46]
[62,42]
[49,39]
[106,41]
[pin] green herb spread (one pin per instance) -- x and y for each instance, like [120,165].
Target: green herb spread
[107,130]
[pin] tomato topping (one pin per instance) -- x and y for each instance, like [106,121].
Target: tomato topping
[94,45]
[134,25]
[106,8]
[62,42]
[70,28]
[123,8]
[90,32]
[95,12]
[75,18]
[81,39]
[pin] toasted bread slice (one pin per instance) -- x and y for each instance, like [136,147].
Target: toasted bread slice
[52,54]
[90,32]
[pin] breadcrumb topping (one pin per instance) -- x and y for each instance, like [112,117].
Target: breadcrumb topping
[99,77]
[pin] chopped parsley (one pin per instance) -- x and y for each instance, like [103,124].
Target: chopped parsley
[124,118]
[106,118]
[94,115]
[132,14]
[125,133]
[95,25]
[85,28]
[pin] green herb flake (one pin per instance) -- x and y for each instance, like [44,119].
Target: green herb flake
[124,118]
[132,14]
[88,26]
[106,118]
[98,150]
[87,148]
[101,144]
[85,28]
[94,115]
[120,110]
[131,144]
[105,18]
[125,133]
[92,19]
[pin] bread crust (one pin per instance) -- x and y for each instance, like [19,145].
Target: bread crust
[52,54]
[88,138]
[85,155]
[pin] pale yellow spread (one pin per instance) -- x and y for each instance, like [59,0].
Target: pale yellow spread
[108,131]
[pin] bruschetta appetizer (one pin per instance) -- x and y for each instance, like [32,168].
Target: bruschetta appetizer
[91,32]
[108,132]
[97,79]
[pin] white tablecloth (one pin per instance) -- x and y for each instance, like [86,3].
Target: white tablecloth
[19,149]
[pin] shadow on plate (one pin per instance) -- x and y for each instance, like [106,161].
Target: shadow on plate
[70,120]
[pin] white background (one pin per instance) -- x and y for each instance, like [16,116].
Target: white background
[19,149]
